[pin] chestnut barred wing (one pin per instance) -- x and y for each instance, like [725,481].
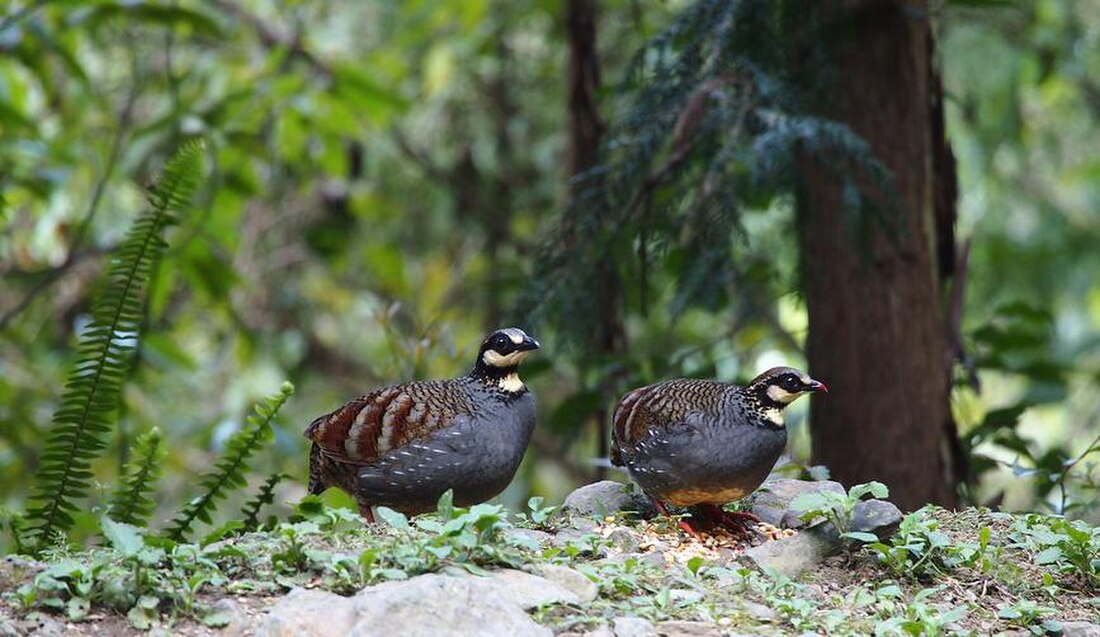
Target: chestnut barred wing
[664,404]
[366,428]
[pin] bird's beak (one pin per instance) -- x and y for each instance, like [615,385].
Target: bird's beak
[816,385]
[528,344]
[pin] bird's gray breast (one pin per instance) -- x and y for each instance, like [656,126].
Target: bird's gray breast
[476,456]
[705,458]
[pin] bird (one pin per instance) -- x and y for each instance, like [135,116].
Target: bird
[405,445]
[701,443]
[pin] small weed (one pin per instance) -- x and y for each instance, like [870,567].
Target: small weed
[837,507]
[1029,615]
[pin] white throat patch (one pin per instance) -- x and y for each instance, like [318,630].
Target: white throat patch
[496,359]
[774,416]
[780,395]
[511,383]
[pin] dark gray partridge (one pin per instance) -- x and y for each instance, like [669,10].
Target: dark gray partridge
[702,443]
[404,445]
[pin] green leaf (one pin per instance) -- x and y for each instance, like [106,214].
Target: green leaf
[126,539]
[876,489]
[155,14]
[144,612]
[860,536]
[393,518]
[77,608]
[445,506]
[809,502]
[1049,556]
[216,619]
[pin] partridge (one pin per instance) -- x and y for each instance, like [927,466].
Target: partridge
[702,443]
[404,445]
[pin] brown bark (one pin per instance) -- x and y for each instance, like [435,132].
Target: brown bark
[876,336]
[583,82]
[586,130]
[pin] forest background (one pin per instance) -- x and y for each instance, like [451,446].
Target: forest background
[906,201]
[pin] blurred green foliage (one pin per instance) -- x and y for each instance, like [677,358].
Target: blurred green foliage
[381,176]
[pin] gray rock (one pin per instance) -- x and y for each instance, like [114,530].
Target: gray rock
[573,581]
[654,558]
[39,625]
[1080,629]
[309,612]
[607,497]
[601,631]
[876,516]
[771,502]
[566,537]
[623,540]
[687,629]
[633,627]
[759,612]
[793,555]
[428,605]
[238,622]
[8,629]
[524,589]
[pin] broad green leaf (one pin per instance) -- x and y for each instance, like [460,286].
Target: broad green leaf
[393,518]
[126,539]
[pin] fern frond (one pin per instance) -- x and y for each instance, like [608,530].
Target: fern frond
[130,502]
[250,513]
[90,399]
[230,470]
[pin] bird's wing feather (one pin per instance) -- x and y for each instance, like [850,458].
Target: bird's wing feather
[665,404]
[365,428]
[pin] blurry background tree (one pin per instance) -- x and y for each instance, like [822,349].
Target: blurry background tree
[391,179]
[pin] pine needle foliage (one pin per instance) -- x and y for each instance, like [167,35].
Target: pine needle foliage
[131,502]
[714,120]
[89,402]
[231,469]
[250,512]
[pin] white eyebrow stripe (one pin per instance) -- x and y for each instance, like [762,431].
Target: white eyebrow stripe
[516,335]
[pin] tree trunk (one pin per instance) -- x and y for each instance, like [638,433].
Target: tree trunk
[586,130]
[876,336]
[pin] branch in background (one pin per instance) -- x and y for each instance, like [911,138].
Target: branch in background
[956,351]
[683,138]
[433,170]
[274,37]
[15,17]
[124,122]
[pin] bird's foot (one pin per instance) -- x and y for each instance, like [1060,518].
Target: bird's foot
[366,512]
[737,523]
[684,525]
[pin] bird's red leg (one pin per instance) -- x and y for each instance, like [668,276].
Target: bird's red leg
[683,524]
[365,511]
[736,522]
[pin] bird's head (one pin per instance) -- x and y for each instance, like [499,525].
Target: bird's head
[780,386]
[499,356]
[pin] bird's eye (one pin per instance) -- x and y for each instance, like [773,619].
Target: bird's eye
[500,340]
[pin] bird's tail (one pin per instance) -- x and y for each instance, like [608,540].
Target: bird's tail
[316,471]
